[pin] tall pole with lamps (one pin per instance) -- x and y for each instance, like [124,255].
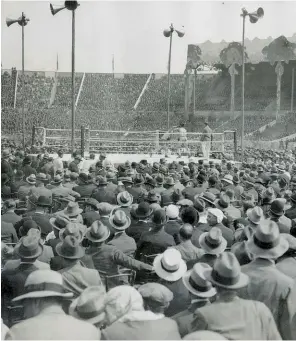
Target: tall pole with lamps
[254,17]
[71,6]
[168,33]
[22,21]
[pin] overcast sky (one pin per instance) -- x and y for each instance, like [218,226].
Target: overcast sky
[132,31]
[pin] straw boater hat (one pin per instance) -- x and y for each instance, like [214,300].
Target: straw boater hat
[97,232]
[213,242]
[44,283]
[70,248]
[226,273]
[195,282]
[255,215]
[267,242]
[89,306]
[169,265]
[119,220]
[124,199]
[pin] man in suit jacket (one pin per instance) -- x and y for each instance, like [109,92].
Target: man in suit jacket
[84,188]
[40,189]
[8,233]
[267,283]
[76,276]
[228,314]
[102,194]
[156,240]
[9,216]
[45,317]
[215,217]
[186,248]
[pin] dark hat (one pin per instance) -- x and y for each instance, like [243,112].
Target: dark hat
[166,199]
[201,178]
[92,202]
[169,181]
[223,202]
[83,177]
[159,179]
[43,201]
[152,196]
[236,179]
[185,179]
[159,217]
[163,170]
[199,204]
[177,195]
[155,167]
[19,174]
[150,182]
[142,211]
[277,207]
[70,248]
[27,160]
[138,179]
[212,180]
[29,247]
[189,215]
[97,232]
[293,198]
[28,224]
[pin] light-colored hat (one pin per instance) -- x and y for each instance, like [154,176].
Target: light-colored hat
[255,215]
[185,202]
[217,213]
[213,242]
[70,248]
[172,211]
[156,292]
[72,209]
[89,306]
[119,220]
[97,232]
[31,179]
[73,229]
[226,273]
[44,283]
[170,265]
[228,178]
[267,242]
[124,199]
[59,222]
[194,280]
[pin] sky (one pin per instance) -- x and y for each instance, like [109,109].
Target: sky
[131,31]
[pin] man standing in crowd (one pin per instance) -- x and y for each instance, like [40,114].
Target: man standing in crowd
[206,140]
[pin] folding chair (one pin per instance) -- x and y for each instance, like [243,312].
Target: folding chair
[120,279]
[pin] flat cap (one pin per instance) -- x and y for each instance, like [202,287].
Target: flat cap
[156,292]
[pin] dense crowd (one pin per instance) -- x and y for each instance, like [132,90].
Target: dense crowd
[163,250]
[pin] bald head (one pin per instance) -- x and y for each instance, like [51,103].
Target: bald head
[186,231]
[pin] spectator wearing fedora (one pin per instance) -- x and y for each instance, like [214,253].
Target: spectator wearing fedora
[141,224]
[43,302]
[89,306]
[59,190]
[228,314]
[188,251]
[76,276]
[91,212]
[12,280]
[137,191]
[209,199]
[213,182]
[112,187]
[159,183]
[156,240]
[26,190]
[277,214]
[48,167]
[101,194]
[107,258]
[200,290]
[40,189]
[254,218]
[57,223]
[84,187]
[250,188]
[124,201]
[9,216]
[212,244]
[26,168]
[170,268]
[169,189]
[214,219]
[40,215]
[267,284]
[73,180]
[237,188]
[127,318]
[120,222]
[105,210]
[5,186]
[172,225]
[150,183]
[72,212]
[232,211]
[287,262]
[189,192]
[291,212]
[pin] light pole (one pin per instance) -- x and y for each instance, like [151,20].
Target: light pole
[22,21]
[254,17]
[71,6]
[168,33]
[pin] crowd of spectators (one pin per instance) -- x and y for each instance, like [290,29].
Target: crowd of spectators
[139,250]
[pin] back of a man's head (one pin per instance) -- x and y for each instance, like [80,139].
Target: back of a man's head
[186,231]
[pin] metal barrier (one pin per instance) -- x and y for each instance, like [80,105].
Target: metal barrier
[133,142]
